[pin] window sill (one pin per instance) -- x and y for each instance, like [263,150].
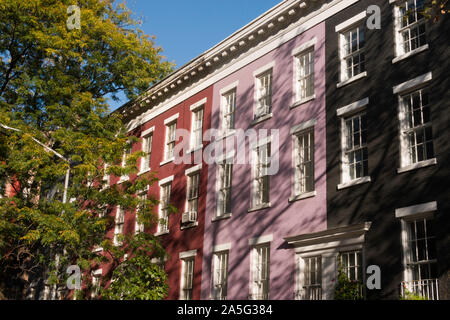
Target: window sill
[353,182]
[261,119]
[189,225]
[166,161]
[300,102]
[409,54]
[222,217]
[421,164]
[144,171]
[226,135]
[99,249]
[303,196]
[161,233]
[123,179]
[352,79]
[200,147]
[260,207]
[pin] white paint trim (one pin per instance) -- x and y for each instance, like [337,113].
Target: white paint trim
[193,169]
[352,79]
[198,104]
[229,87]
[272,43]
[417,209]
[353,182]
[223,157]
[353,107]
[413,83]
[221,247]
[261,142]
[171,118]
[97,272]
[348,23]
[148,131]
[418,165]
[303,47]
[303,126]
[165,181]
[260,240]
[409,54]
[263,69]
[188,254]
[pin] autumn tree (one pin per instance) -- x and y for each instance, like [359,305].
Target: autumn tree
[55,80]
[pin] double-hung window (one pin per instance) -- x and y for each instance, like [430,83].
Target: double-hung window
[147,148]
[187,278]
[261,178]
[351,265]
[163,222]
[170,140]
[355,148]
[192,195]
[260,272]
[197,128]
[220,276]
[304,162]
[409,25]
[119,224]
[228,109]
[312,279]
[353,61]
[416,129]
[139,226]
[125,156]
[305,75]
[263,94]
[225,175]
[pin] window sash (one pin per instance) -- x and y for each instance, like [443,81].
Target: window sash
[304,162]
[355,148]
[188,279]
[139,226]
[119,224]
[416,128]
[353,52]
[312,273]
[170,139]
[163,223]
[229,105]
[261,272]
[351,264]
[224,190]
[220,276]
[192,192]
[305,75]
[264,94]
[261,178]
[197,128]
[147,148]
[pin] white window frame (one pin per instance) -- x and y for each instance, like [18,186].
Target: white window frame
[96,278]
[347,26]
[419,83]
[106,177]
[192,191]
[261,186]
[170,141]
[400,51]
[425,211]
[260,271]
[304,75]
[306,290]
[147,141]
[196,140]
[224,186]
[187,274]
[119,225]
[228,111]
[163,214]
[263,91]
[220,275]
[303,130]
[123,164]
[350,111]
[139,227]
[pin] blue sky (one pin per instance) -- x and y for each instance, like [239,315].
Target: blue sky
[186,28]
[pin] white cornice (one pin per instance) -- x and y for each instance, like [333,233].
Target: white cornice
[256,51]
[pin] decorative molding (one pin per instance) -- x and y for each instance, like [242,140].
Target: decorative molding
[221,247]
[193,169]
[416,209]
[353,107]
[413,83]
[303,47]
[165,180]
[198,104]
[348,23]
[260,240]
[263,69]
[188,254]
[303,126]
[171,118]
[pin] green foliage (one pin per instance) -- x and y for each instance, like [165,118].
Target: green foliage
[408,295]
[53,84]
[346,289]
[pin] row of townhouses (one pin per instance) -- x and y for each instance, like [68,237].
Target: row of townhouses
[314,139]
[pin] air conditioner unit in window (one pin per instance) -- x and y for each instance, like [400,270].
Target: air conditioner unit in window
[189,217]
